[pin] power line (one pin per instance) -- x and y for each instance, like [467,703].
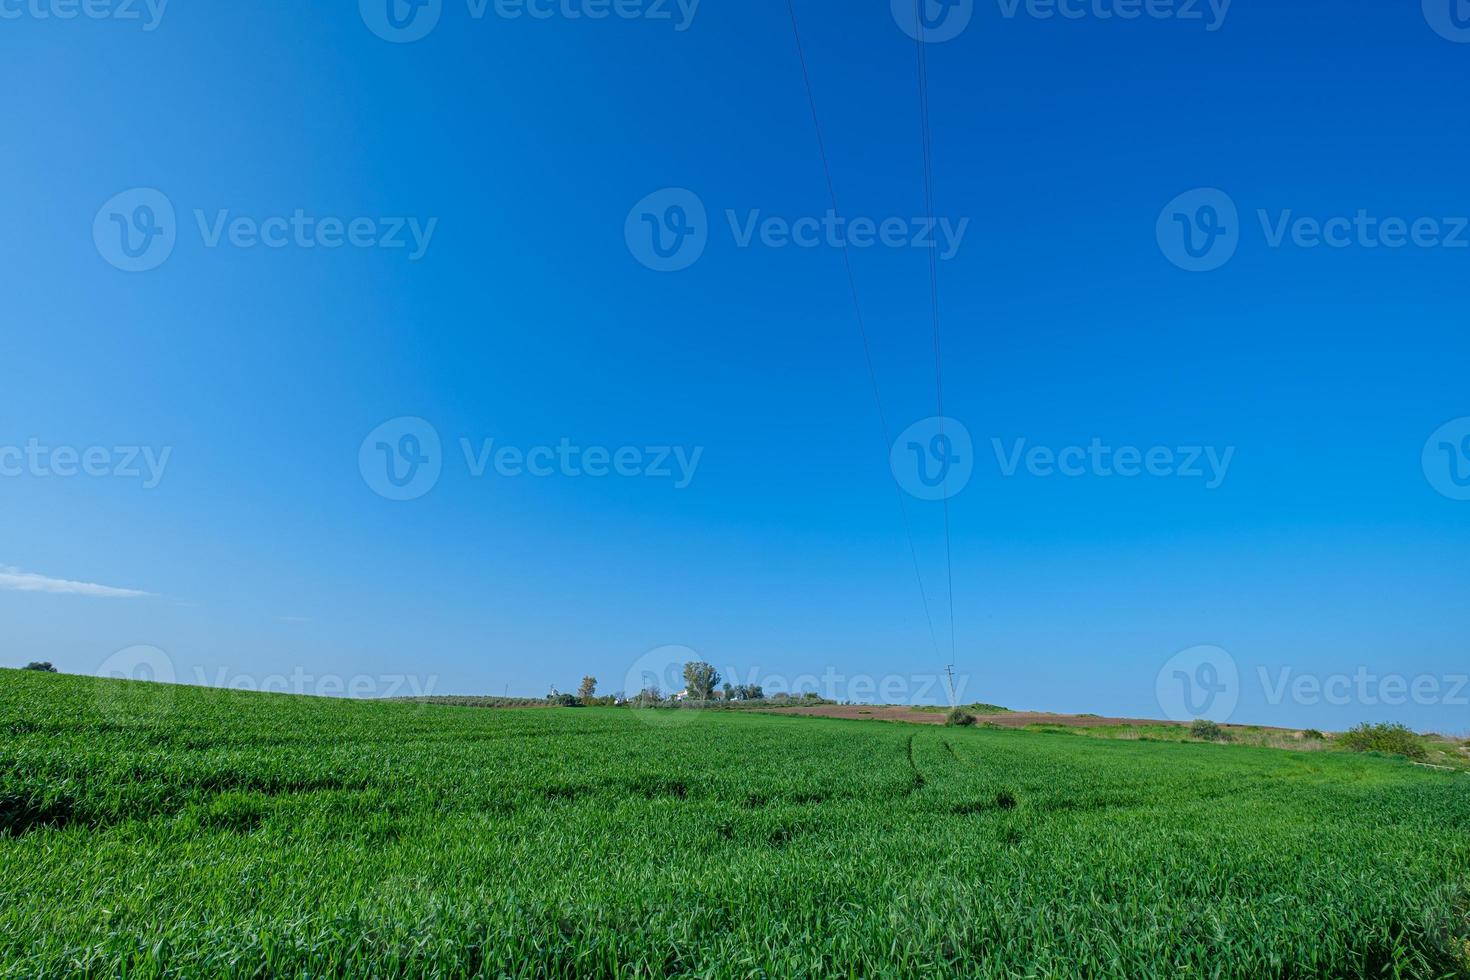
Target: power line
[927,154]
[863,331]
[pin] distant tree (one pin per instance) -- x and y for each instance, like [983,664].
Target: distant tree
[648,697]
[1209,731]
[588,688]
[747,692]
[729,691]
[701,679]
[42,665]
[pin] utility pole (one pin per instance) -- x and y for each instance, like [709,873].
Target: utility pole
[949,672]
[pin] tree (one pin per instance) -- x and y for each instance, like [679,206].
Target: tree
[44,665]
[588,688]
[701,679]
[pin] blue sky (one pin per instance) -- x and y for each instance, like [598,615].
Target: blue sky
[519,147]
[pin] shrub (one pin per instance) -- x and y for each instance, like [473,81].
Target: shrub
[648,698]
[1313,735]
[1207,730]
[43,665]
[1392,739]
[564,700]
[959,717]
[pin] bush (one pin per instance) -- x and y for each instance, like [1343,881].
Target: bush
[1313,735]
[44,665]
[1207,730]
[647,698]
[1392,739]
[564,700]
[959,717]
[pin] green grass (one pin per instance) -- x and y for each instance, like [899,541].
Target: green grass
[1435,750]
[171,831]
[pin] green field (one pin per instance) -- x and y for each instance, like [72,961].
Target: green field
[148,831]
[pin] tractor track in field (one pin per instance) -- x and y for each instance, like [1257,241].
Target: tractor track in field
[918,776]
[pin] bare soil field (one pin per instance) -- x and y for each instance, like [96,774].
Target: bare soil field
[922,716]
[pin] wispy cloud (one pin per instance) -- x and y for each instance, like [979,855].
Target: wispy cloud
[15,580]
